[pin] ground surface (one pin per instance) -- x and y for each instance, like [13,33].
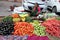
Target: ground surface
[4,6]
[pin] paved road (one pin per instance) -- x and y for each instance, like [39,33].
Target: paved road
[4,6]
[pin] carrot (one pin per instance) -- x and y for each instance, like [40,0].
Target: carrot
[23,28]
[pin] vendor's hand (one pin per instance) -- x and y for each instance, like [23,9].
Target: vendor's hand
[36,14]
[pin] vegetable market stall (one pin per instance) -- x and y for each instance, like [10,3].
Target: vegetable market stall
[24,28]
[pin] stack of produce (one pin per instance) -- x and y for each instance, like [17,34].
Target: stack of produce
[35,22]
[28,19]
[58,18]
[23,28]
[38,29]
[37,38]
[6,26]
[19,17]
[7,19]
[49,15]
[23,16]
[16,17]
[13,37]
[52,27]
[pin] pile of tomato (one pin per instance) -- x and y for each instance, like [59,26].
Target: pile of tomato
[52,27]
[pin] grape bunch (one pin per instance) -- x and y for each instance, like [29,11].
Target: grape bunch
[6,26]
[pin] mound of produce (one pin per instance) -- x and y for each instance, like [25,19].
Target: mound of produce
[38,29]
[6,26]
[15,15]
[23,16]
[35,22]
[16,19]
[28,19]
[58,18]
[52,27]
[13,37]
[23,28]
[37,38]
[7,19]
